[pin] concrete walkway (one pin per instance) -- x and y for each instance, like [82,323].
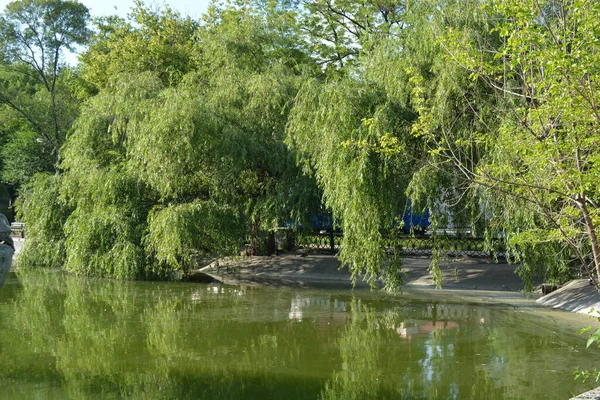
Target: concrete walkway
[297,269]
[18,244]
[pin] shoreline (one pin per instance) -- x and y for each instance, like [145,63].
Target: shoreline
[18,243]
[469,278]
[461,274]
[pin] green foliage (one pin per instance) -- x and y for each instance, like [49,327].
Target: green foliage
[383,138]
[594,337]
[195,136]
[541,169]
[122,163]
[23,157]
[340,128]
[160,170]
[175,233]
[44,211]
[341,31]
[105,230]
[150,41]
[33,31]
[34,36]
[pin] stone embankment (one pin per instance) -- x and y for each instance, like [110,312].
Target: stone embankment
[576,296]
[591,395]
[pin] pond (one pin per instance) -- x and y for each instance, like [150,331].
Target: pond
[69,337]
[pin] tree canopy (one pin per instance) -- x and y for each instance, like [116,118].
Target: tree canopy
[159,172]
[36,99]
[197,136]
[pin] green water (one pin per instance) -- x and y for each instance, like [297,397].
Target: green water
[68,337]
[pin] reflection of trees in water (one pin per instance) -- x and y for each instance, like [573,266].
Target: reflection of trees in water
[24,336]
[378,363]
[473,358]
[88,338]
[80,338]
[360,349]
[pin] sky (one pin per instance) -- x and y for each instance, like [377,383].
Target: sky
[98,8]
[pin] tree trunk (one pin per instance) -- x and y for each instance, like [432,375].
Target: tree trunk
[271,243]
[255,236]
[591,232]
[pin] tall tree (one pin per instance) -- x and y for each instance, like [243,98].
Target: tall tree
[159,171]
[542,170]
[342,30]
[34,36]
[252,57]
[362,132]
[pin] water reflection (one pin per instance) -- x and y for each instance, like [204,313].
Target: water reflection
[335,308]
[394,357]
[67,337]
[212,289]
[6,257]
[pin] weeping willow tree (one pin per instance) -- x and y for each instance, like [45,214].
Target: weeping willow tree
[485,119]
[354,135]
[341,126]
[159,172]
[371,135]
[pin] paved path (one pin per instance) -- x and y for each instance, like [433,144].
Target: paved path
[18,245]
[293,269]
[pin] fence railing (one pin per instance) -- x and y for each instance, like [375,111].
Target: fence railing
[330,241]
[452,246]
[17,229]
[407,245]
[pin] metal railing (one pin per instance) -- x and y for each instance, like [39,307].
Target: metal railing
[407,245]
[17,229]
[323,241]
[452,246]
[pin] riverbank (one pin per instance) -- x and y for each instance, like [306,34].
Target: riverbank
[465,277]
[299,269]
[577,296]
